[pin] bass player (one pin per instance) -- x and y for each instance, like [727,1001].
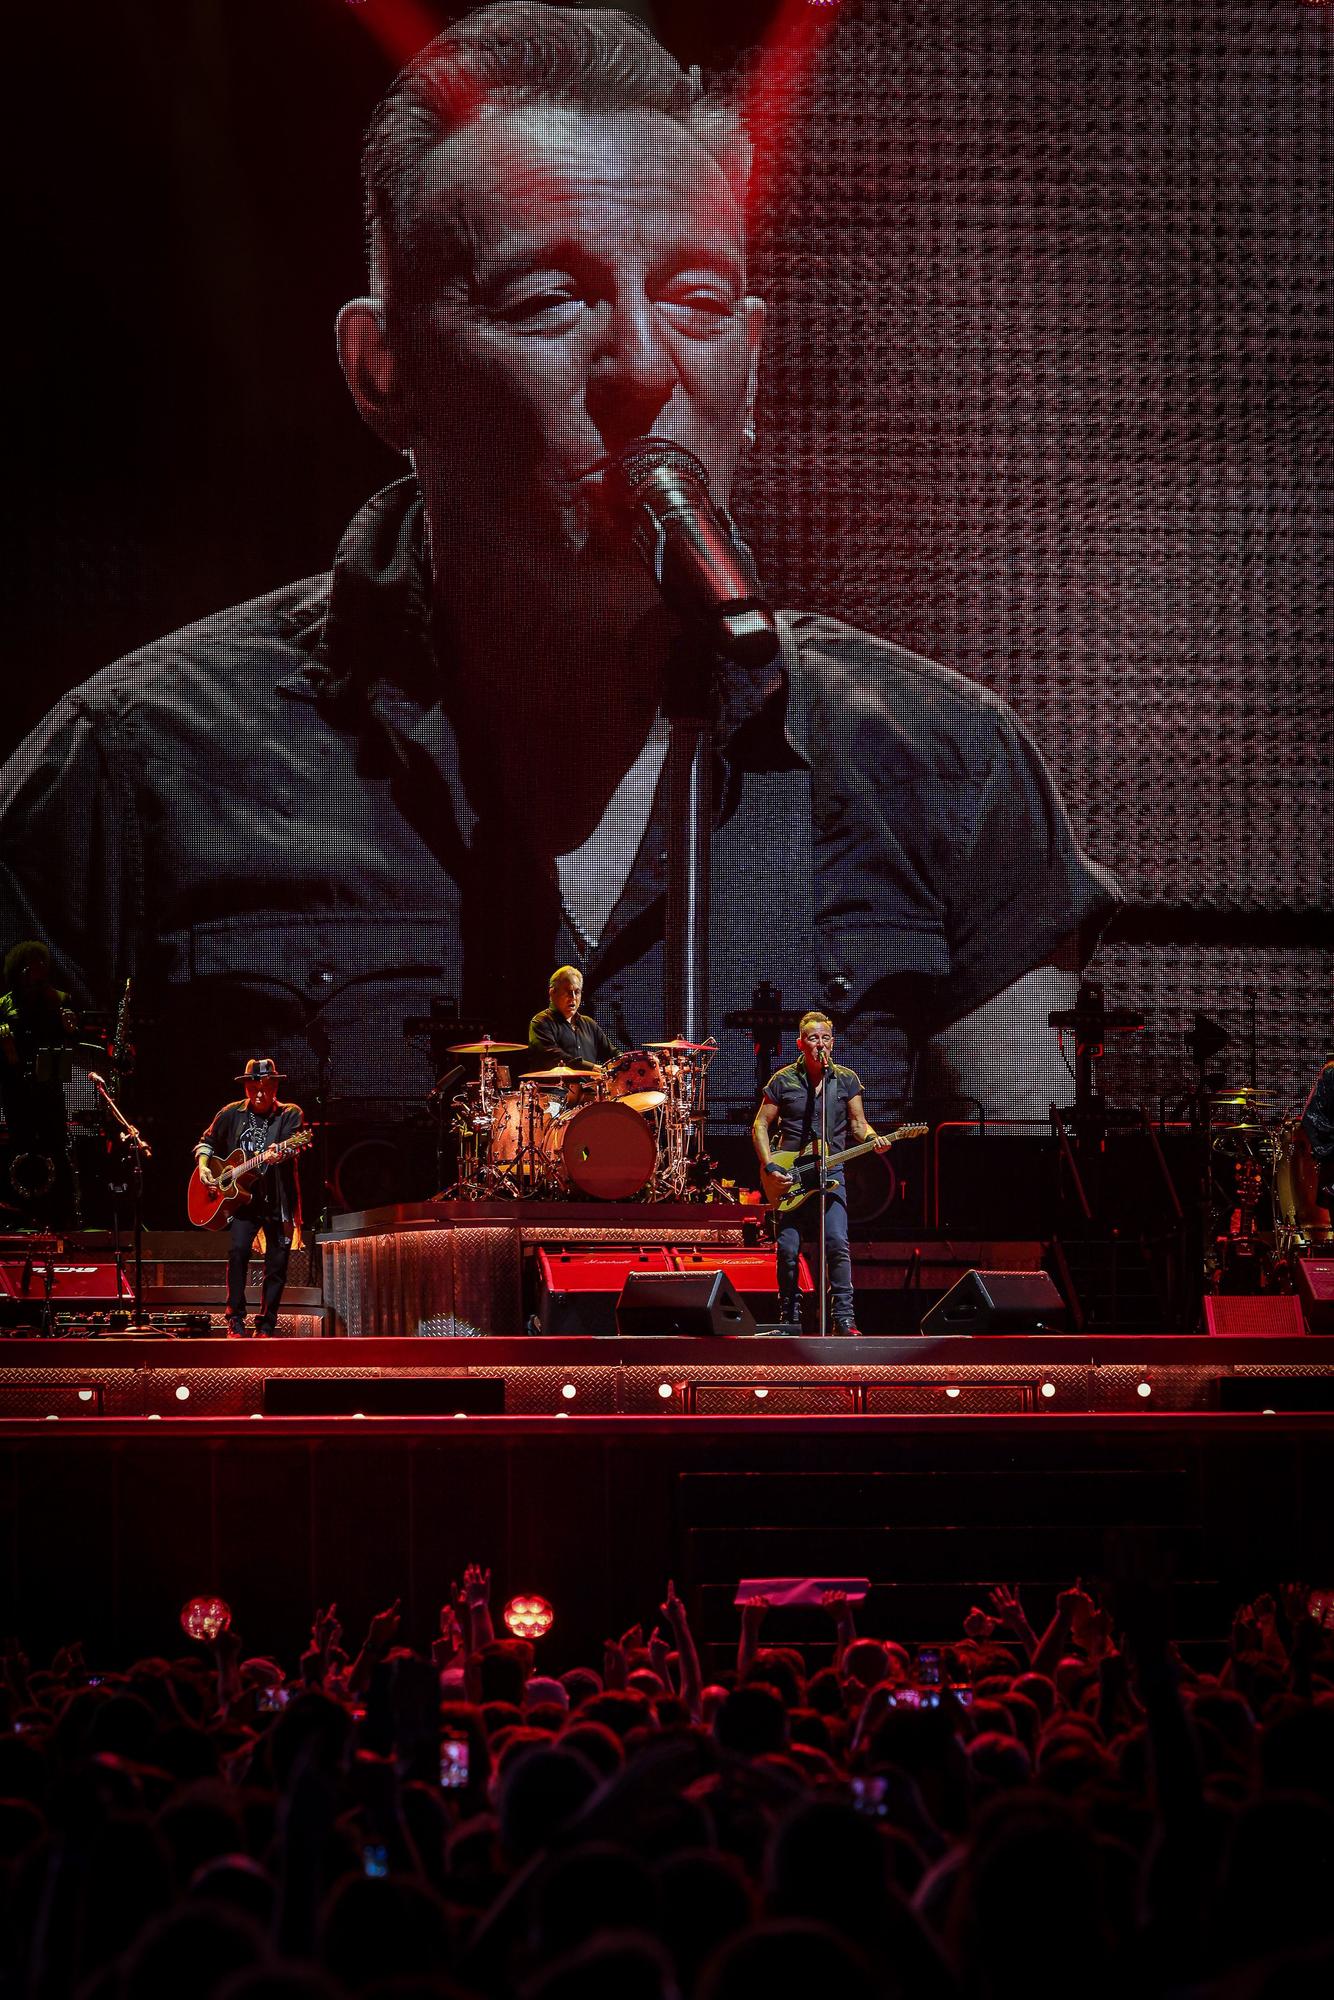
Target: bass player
[248,1125]
[792,1102]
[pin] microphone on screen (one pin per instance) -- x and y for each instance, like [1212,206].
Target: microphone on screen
[687,547]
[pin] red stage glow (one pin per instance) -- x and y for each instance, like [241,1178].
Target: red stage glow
[205,1617]
[528,1617]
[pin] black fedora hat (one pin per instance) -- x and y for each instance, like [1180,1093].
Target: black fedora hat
[261,1069]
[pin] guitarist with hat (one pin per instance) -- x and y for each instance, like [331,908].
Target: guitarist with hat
[792,1103]
[249,1125]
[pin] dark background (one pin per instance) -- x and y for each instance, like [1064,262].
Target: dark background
[1048,394]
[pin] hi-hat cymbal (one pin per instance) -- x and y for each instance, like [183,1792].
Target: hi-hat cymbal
[1245,1094]
[486,1047]
[695,1048]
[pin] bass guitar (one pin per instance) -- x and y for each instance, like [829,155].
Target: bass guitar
[213,1207]
[804,1167]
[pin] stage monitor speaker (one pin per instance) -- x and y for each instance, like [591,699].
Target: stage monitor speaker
[384,1396]
[1315,1289]
[1247,1316]
[998,1302]
[695,1303]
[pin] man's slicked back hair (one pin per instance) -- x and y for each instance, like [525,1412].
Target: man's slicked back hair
[515,52]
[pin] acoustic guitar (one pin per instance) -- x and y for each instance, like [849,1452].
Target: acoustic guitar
[213,1207]
[804,1167]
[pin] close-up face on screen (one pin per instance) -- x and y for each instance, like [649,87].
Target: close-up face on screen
[767,509]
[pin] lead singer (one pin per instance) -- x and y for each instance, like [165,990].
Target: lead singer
[437,769]
[792,1102]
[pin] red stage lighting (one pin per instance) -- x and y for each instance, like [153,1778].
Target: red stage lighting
[528,1617]
[205,1617]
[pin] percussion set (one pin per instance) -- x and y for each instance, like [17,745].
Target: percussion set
[633,1127]
[1265,1183]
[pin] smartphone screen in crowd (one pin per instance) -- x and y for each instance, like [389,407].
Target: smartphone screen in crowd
[928,1666]
[454,1763]
[375,1859]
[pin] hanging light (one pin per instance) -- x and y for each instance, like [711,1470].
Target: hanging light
[528,1617]
[205,1617]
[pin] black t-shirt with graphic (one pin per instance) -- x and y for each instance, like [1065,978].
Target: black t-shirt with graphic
[238,1124]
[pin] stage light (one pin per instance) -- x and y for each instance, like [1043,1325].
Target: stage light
[154,1417]
[205,1617]
[528,1617]
[51,1417]
[257,1416]
[85,1395]
[360,1414]
[952,1393]
[1144,1388]
[1048,1389]
[665,1390]
[182,1393]
[761,1394]
[568,1390]
[460,1416]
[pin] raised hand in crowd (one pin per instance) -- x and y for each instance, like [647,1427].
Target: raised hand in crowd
[687,1657]
[753,1614]
[1010,1615]
[839,1606]
[479,1629]
[380,1636]
[450,1648]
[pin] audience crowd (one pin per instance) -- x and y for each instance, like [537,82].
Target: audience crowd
[1076,1811]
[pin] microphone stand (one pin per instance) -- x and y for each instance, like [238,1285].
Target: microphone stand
[139,1150]
[688,704]
[824,1200]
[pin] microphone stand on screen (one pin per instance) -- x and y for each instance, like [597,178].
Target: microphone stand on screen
[725,625]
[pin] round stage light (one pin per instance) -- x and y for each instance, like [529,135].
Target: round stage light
[664,1390]
[761,1394]
[1144,1388]
[528,1617]
[182,1393]
[952,1393]
[205,1617]
[85,1395]
[51,1417]
[154,1417]
[1048,1389]
[257,1416]
[568,1390]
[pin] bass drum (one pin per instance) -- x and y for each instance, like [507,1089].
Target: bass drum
[607,1151]
[1300,1218]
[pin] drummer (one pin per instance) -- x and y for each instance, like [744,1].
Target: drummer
[562,1036]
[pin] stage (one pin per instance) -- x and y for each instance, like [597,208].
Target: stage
[398,1433]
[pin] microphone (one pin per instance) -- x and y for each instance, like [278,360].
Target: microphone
[98,1082]
[824,1059]
[694,561]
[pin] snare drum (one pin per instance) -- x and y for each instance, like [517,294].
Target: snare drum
[605,1150]
[636,1079]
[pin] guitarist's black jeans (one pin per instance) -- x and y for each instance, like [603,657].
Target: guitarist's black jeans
[277,1249]
[803,1226]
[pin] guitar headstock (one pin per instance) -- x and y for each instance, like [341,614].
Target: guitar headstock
[910,1131]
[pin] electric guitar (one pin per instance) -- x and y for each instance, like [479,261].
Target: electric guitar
[213,1207]
[804,1167]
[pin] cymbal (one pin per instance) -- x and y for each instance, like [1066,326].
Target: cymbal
[486,1047]
[537,1077]
[695,1048]
[1246,1096]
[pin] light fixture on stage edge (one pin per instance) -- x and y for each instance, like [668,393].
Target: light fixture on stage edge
[528,1617]
[204,1618]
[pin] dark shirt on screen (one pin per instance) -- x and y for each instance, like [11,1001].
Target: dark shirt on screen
[351,882]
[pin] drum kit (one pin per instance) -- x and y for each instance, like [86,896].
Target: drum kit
[1263,1175]
[633,1127]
